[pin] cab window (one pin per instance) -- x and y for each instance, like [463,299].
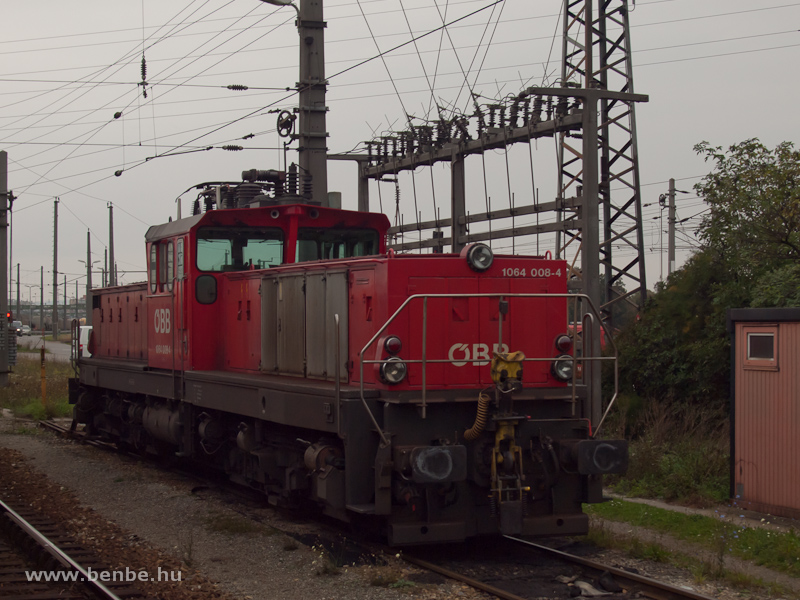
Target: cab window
[318,244]
[162,266]
[238,248]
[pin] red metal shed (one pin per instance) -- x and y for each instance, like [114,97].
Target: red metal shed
[765,409]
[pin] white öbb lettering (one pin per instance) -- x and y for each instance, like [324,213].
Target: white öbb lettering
[460,354]
[162,320]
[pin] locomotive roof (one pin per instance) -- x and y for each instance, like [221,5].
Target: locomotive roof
[352,218]
[159,232]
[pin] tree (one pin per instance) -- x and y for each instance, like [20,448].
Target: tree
[679,350]
[754,197]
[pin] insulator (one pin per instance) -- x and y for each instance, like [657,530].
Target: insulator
[526,110]
[308,187]
[291,179]
[561,106]
[232,148]
[462,126]
[514,113]
[394,146]
[238,88]
[117,115]
[502,116]
[481,121]
[549,108]
[537,109]
[492,116]
[249,136]
[196,207]
[246,192]
[144,69]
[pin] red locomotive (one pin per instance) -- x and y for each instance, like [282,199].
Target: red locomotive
[430,395]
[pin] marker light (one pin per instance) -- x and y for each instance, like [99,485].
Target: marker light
[393,344]
[564,343]
[480,257]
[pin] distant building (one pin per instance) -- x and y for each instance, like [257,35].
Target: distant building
[765,409]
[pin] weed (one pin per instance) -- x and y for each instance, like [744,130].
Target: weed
[290,545]
[402,583]
[230,524]
[24,392]
[186,545]
[325,563]
[386,576]
[676,452]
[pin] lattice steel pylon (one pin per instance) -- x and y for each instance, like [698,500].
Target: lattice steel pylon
[597,55]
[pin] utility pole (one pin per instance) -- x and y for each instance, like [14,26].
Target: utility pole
[76,299]
[112,276]
[41,306]
[55,269]
[18,314]
[4,195]
[65,301]
[106,279]
[671,227]
[89,278]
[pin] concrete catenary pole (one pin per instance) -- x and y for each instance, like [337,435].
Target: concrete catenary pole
[18,314]
[3,268]
[55,269]
[313,132]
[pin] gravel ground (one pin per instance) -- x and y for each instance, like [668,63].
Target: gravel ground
[138,516]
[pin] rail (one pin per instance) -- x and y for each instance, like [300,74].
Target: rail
[58,554]
[591,315]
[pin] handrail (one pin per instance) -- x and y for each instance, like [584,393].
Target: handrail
[425,360]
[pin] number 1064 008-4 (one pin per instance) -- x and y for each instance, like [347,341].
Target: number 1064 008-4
[534,272]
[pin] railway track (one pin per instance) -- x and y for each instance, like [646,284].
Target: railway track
[538,571]
[518,586]
[33,549]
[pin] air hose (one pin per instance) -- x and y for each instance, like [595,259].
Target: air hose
[476,430]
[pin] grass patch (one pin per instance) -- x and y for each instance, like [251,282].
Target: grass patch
[23,396]
[774,550]
[702,571]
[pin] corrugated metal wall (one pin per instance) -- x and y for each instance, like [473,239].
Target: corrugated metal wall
[767,424]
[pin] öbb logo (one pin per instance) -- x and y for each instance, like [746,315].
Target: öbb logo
[461,354]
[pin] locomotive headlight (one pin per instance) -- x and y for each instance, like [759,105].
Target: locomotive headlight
[393,370]
[562,367]
[480,257]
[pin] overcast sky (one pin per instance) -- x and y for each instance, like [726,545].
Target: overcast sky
[715,70]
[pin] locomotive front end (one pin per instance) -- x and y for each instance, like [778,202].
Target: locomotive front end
[484,421]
